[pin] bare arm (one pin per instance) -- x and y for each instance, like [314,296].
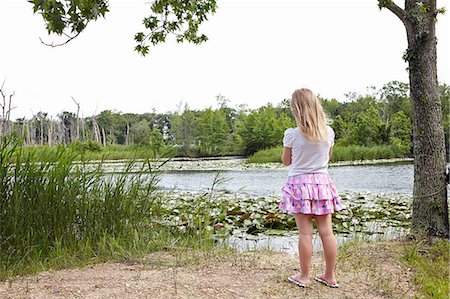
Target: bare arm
[286,157]
[330,153]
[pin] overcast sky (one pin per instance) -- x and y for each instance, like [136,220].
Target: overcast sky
[258,52]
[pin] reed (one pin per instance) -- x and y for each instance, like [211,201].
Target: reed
[95,151]
[61,213]
[358,152]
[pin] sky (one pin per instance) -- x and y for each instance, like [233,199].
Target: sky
[258,52]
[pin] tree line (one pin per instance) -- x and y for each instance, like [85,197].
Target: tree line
[380,117]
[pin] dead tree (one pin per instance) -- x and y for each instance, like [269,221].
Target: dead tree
[95,129]
[77,137]
[104,136]
[5,125]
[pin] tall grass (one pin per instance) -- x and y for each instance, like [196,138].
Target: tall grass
[340,153]
[62,213]
[358,152]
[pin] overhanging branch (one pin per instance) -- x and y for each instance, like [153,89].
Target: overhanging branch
[53,45]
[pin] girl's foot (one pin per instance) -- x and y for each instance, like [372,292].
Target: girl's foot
[299,280]
[328,281]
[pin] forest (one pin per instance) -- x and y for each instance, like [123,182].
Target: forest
[380,118]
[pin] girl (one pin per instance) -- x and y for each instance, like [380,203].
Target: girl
[309,190]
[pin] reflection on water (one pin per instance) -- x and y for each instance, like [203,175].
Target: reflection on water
[289,243]
[263,182]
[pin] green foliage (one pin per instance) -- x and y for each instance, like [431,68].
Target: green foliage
[112,123]
[401,132]
[212,131]
[394,97]
[157,143]
[181,18]
[263,128]
[331,107]
[384,3]
[184,130]
[141,132]
[89,146]
[381,118]
[60,15]
[367,128]
[339,126]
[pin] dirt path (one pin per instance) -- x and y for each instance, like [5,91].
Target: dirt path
[365,271]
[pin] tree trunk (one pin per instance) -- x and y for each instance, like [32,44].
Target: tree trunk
[127,138]
[430,207]
[104,137]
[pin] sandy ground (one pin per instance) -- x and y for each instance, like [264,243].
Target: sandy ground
[366,271]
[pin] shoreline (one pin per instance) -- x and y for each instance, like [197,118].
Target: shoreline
[235,163]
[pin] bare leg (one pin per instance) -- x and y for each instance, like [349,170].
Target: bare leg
[304,226]
[325,229]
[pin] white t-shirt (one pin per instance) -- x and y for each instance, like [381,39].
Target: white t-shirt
[307,157]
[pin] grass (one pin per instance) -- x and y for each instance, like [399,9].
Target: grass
[64,213]
[430,265]
[340,153]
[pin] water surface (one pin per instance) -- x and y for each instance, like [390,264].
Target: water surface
[262,182]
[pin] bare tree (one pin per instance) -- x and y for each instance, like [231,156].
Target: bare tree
[95,129]
[103,137]
[77,137]
[5,122]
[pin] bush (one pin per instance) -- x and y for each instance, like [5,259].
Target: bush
[89,146]
[271,155]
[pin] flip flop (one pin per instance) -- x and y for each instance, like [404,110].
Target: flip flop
[302,285]
[321,280]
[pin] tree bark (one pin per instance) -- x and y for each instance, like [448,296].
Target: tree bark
[430,206]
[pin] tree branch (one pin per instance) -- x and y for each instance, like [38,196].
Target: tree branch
[70,38]
[394,8]
[398,11]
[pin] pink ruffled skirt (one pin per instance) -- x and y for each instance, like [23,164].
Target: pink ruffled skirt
[311,193]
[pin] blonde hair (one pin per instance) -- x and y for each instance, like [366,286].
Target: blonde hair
[309,115]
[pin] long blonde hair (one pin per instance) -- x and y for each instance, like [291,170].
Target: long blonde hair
[309,115]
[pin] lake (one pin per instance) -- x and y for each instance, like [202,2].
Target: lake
[397,178]
[379,189]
